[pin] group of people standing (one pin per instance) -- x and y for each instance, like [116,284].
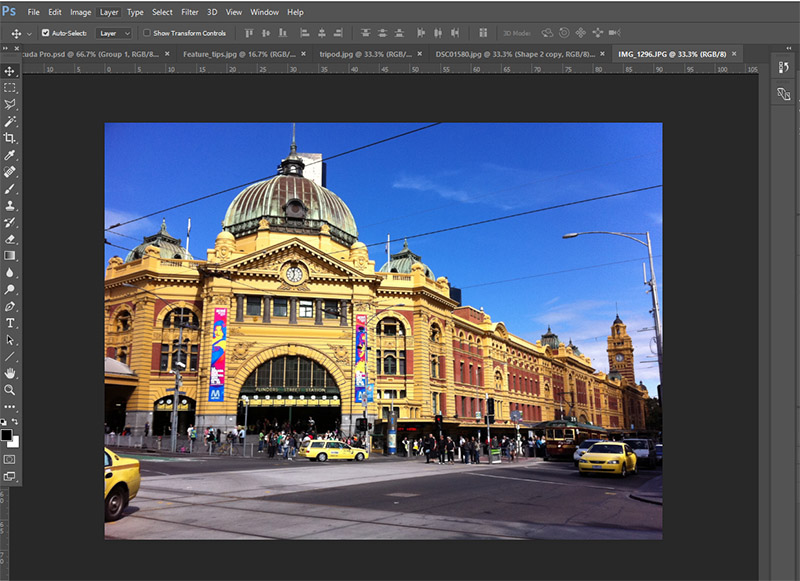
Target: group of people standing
[443,449]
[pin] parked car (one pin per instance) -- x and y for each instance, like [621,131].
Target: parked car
[122,479]
[659,452]
[323,450]
[610,457]
[581,450]
[645,450]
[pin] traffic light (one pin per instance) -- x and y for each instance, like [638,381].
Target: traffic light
[361,424]
[490,411]
[438,419]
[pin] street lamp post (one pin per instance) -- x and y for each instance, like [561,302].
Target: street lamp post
[651,283]
[178,380]
[244,439]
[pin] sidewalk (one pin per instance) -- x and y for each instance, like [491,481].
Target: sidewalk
[652,491]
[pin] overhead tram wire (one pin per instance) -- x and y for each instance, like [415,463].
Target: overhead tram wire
[553,273]
[269,177]
[512,188]
[452,228]
[499,218]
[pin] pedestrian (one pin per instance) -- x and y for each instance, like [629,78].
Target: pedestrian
[261,441]
[415,447]
[428,447]
[475,448]
[441,451]
[541,447]
[211,439]
[450,446]
[146,429]
[242,433]
[465,453]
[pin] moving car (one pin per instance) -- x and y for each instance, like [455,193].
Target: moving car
[323,450]
[581,450]
[645,450]
[609,457]
[122,479]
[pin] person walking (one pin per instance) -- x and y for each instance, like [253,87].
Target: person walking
[261,441]
[475,448]
[429,448]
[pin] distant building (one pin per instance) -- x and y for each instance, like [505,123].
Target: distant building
[271,319]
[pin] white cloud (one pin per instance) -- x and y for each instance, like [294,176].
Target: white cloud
[422,184]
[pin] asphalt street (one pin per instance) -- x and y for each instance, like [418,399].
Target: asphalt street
[212,497]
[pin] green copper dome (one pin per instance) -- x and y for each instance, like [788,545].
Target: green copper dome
[403,261]
[168,246]
[290,203]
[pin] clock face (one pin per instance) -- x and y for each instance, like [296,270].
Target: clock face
[619,357]
[294,274]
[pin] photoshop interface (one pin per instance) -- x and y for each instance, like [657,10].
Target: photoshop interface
[186,61]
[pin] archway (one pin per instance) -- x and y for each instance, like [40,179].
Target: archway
[290,390]
[162,415]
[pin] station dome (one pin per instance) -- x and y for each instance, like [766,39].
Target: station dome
[168,246]
[290,203]
[404,260]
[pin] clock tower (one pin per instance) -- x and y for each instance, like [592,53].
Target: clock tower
[620,351]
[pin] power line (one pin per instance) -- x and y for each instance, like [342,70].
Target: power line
[553,273]
[490,220]
[511,188]
[268,177]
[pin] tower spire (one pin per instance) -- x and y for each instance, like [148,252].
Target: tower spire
[292,165]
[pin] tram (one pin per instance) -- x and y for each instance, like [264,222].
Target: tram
[562,437]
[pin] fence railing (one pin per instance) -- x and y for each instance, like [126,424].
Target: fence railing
[184,445]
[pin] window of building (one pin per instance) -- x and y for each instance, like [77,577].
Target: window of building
[122,355]
[305,309]
[253,305]
[461,368]
[331,309]
[280,307]
[180,316]
[390,327]
[434,366]
[436,333]
[123,321]
[290,371]
[391,362]
[188,356]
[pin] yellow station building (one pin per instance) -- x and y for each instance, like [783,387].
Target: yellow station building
[276,304]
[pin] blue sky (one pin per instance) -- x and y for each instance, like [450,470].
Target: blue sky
[519,270]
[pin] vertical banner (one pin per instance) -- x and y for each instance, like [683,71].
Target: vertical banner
[219,340]
[361,358]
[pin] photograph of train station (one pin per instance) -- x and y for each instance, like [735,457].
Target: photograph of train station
[269,305]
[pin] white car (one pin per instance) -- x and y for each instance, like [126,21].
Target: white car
[645,450]
[581,450]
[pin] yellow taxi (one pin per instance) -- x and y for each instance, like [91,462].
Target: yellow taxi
[322,450]
[608,457]
[122,481]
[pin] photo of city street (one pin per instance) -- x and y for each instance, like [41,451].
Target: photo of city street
[432,331]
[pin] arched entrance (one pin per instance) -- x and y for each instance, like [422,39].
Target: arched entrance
[287,391]
[162,415]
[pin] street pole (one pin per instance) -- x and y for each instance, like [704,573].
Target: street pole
[176,393]
[244,439]
[488,431]
[651,283]
[656,312]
